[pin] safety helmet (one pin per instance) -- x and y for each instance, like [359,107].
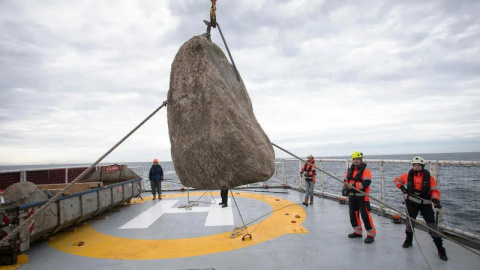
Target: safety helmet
[310,156]
[357,154]
[418,160]
[155,161]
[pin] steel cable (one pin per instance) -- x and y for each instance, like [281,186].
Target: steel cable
[30,219]
[381,202]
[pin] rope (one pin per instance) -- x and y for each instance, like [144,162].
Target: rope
[414,234]
[381,202]
[30,220]
[239,230]
[213,16]
[193,203]
[239,213]
[467,226]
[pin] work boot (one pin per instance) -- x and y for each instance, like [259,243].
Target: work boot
[311,200]
[154,197]
[354,235]
[407,243]
[441,250]
[442,253]
[224,205]
[305,202]
[408,240]
[369,240]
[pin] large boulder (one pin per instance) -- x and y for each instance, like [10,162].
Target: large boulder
[23,193]
[215,138]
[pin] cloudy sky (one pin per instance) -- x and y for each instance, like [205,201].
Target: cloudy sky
[325,77]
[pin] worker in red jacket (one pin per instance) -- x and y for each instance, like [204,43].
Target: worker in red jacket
[360,177]
[421,191]
[310,176]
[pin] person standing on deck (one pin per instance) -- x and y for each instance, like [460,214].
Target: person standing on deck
[360,177]
[156,178]
[421,191]
[224,195]
[308,171]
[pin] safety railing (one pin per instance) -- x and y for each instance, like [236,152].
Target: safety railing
[458,181]
[54,175]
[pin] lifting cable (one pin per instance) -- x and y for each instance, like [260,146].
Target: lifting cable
[30,219]
[190,204]
[240,230]
[381,202]
[213,23]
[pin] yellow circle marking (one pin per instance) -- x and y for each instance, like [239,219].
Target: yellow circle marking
[99,245]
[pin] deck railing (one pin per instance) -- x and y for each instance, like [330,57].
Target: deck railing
[458,181]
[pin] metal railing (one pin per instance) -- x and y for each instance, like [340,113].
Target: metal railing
[458,181]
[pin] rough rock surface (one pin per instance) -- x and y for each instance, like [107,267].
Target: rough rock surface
[215,138]
[23,193]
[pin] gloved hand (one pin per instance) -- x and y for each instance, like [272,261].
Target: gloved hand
[403,189]
[436,203]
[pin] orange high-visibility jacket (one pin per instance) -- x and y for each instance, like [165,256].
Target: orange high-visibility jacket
[433,193]
[310,170]
[363,184]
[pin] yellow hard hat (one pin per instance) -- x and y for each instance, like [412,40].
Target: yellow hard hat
[357,154]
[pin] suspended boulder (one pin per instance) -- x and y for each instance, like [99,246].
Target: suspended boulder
[215,138]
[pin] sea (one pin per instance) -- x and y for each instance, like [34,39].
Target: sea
[459,187]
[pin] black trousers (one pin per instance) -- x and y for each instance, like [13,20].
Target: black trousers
[359,207]
[224,195]
[428,215]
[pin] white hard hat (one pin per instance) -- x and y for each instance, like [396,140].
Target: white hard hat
[418,160]
[310,155]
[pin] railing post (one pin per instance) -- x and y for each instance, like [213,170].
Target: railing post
[382,183]
[321,178]
[285,180]
[66,175]
[434,170]
[142,182]
[300,184]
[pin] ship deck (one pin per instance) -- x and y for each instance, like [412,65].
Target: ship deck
[157,234]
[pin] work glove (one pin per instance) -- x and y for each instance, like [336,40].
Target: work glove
[403,189]
[437,204]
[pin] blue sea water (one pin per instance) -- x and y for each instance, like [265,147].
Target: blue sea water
[460,197]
